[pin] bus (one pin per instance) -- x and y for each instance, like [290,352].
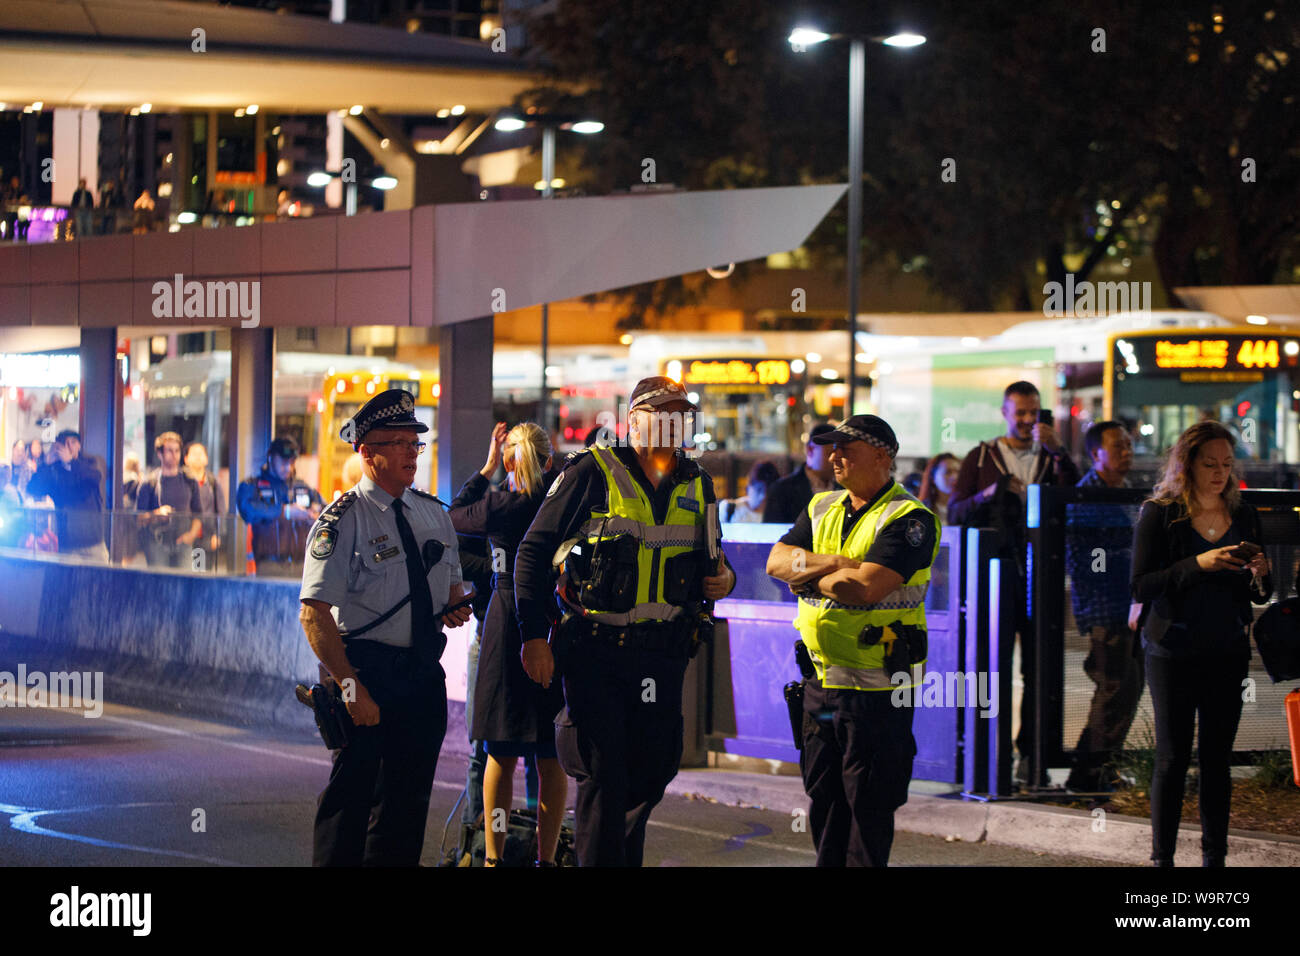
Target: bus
[1156,372]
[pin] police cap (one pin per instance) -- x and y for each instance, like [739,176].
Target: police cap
[393,408]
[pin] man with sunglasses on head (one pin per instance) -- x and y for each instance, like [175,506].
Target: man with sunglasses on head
[381,567]
[280,509]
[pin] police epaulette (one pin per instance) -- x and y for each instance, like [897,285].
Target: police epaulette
[338,507]
[425,494]
[573,458]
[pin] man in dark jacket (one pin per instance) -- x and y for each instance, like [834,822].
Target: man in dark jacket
[789,496]
[280,509]
[992,489]
[75,485]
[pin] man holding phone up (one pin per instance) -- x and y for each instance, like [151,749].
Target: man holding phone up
[991,491]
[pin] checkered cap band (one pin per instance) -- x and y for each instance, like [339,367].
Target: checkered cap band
[869,439]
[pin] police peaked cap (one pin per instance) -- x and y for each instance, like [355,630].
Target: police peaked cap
[393,408]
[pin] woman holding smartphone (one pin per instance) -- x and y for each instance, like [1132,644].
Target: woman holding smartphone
[1197,566]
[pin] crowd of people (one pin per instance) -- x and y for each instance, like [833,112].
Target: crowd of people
[1164,602]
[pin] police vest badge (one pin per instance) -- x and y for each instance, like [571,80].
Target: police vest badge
[915,532]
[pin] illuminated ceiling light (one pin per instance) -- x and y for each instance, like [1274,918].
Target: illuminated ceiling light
[694,397]
[186,218]
[356,110]
[904,40]
[674,370]
[135,111]
[587,127]
[806,36]
[721,272]
[829,373]
[384,182]
[557,183]
[275,131]
[319,179]
[383,143]
[341,113]
[626,339]
[1257,319]
[239,112]
[1292,348]
[510,124]
[813,357]
[539,185]
[864,357]
[797,366]
[457,110]
[443,113]
[251,109]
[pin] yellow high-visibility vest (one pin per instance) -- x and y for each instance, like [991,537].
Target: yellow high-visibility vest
[831,630]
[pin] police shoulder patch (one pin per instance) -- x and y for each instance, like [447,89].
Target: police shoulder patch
[555,485]
[915,532]
[322,542]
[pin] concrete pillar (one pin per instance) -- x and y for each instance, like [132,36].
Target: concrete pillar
[248,430]
[101,408]
[464,401]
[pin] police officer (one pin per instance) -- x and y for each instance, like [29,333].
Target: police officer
[859,560]
[381,565]
[279,508]
[638,563]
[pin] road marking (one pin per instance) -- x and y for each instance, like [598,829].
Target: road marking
[267,751]
[727,836]
[23,819]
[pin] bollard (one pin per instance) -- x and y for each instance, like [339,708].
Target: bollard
[1293,729]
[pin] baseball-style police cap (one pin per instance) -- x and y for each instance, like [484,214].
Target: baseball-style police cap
[283,448]
[868,428]
[658,390]
[391,409]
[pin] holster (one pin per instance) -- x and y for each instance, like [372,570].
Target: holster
[907,649]
[332,717]
[794,692]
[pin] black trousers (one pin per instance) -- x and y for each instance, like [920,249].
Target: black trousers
[1182,689]
[856,764]
[374,809]
[620,737]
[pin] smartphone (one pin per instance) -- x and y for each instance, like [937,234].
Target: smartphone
[1045,416]
[1245,551]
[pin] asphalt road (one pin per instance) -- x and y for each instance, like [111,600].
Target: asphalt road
[138,788]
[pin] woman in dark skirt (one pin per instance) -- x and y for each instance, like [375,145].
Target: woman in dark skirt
[1197,566]
[513,714]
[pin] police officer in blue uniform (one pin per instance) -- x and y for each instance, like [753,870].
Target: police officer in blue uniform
[280,509]
[381,566]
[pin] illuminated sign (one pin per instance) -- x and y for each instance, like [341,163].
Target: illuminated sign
[41,370]
[412,386]
[1226,353]
[735,372]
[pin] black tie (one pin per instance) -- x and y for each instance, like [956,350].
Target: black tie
[422,622]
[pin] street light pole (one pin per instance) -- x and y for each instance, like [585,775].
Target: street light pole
[857,94]
[548,174]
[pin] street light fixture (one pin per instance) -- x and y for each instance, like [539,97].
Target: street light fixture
[320,179]
[509,122]
[800,39]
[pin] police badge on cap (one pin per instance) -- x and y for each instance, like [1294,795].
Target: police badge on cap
[393,408]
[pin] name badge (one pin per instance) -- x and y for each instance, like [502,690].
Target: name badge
[690,504]
[387,553]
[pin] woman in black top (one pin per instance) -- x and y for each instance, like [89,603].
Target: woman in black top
[1197,567]
[512,714]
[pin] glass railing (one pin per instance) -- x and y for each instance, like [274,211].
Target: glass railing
[174,543]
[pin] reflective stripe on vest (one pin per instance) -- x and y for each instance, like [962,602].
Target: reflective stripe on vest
[870,678]
[832,630]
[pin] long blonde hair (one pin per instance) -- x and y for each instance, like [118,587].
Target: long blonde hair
[1176,485]
[532,449]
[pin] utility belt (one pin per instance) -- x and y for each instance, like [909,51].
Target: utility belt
[677,635]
